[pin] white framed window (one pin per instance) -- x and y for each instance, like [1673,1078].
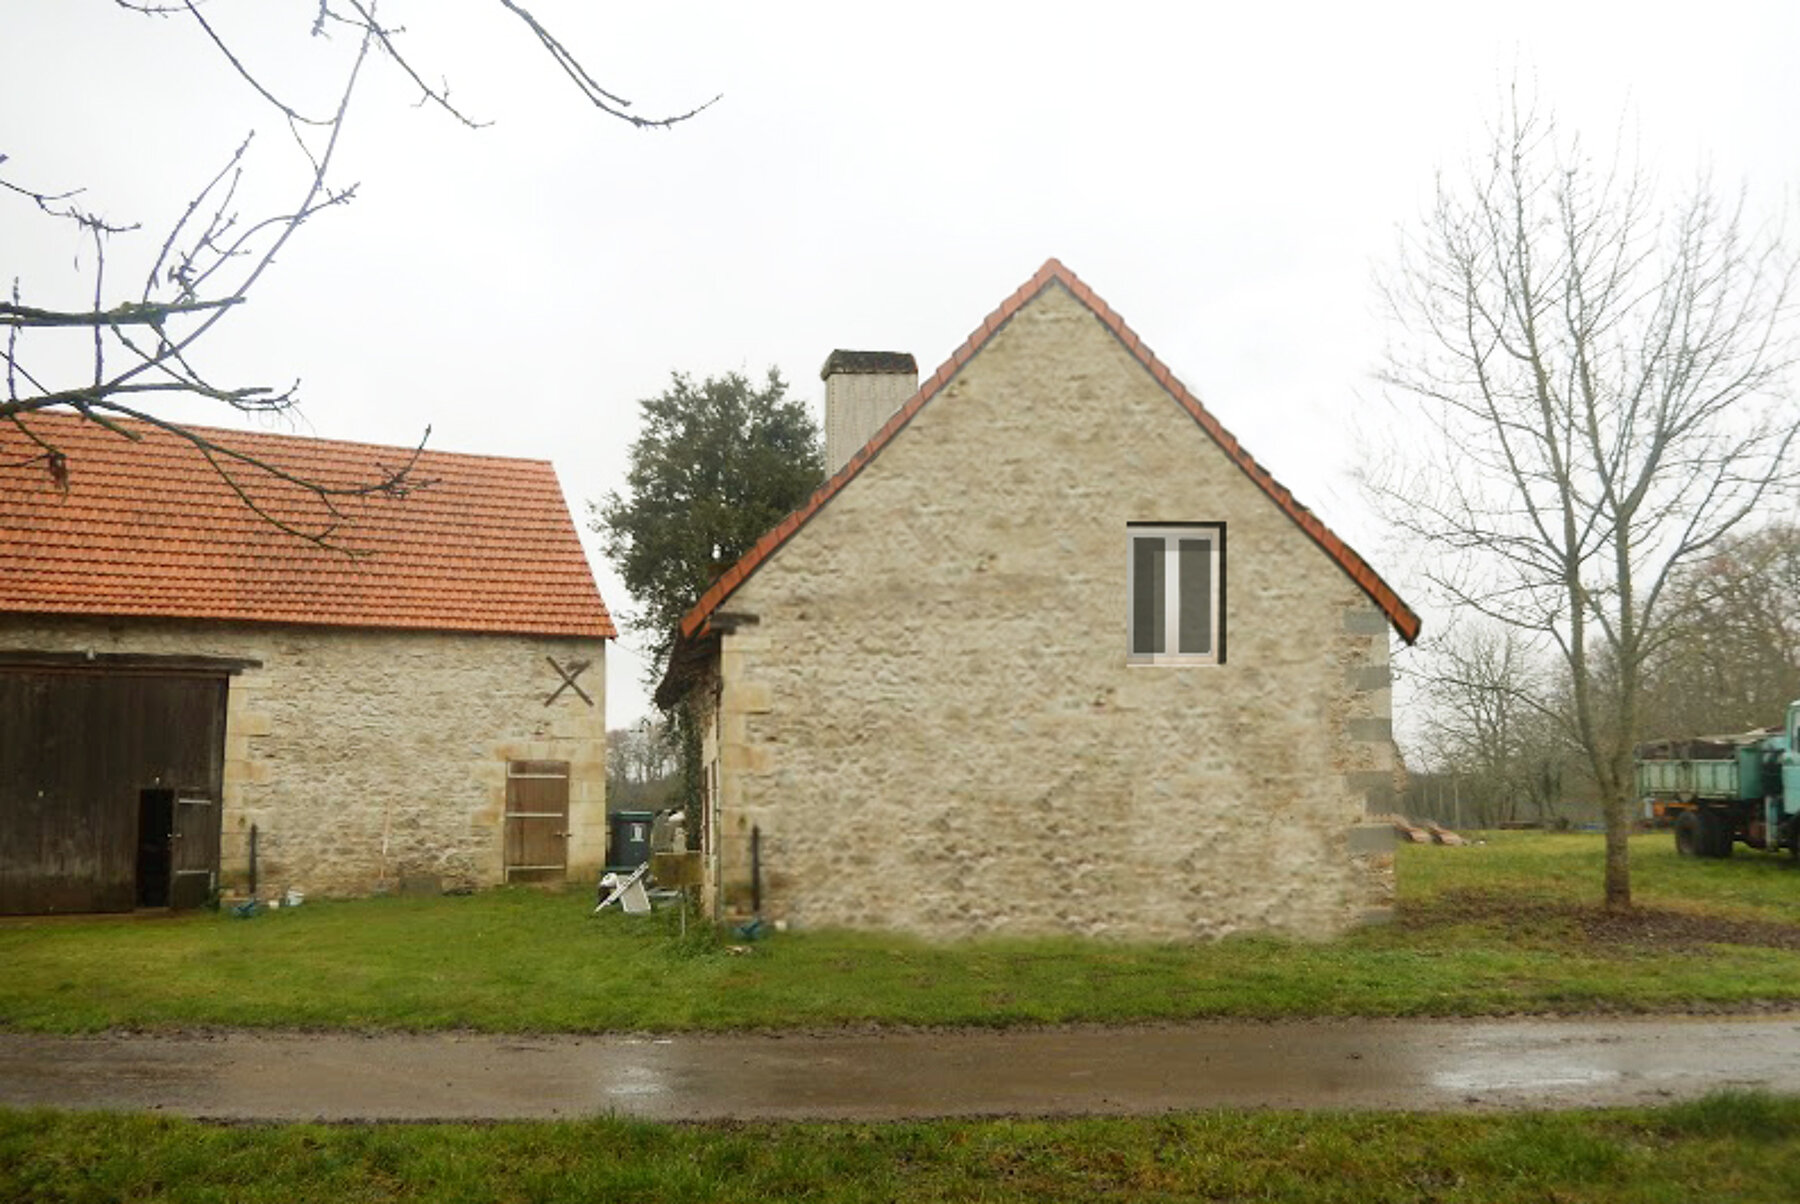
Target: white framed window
[1176,579]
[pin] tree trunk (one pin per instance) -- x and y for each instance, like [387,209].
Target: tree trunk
[1618,851]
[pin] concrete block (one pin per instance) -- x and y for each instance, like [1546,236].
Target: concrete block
[1365,620]
[1372,838]
[1364,678]
[1381,651]
[1381,800]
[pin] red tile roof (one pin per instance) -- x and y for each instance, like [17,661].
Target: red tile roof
[1054,273]
[148,528]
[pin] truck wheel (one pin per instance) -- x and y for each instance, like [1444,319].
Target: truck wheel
[1687,835]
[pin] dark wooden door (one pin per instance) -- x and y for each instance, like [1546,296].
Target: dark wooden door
[78,750]
[537,820]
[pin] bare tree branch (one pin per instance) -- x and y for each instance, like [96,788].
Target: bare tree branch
[599,97]
[230,56]
[130,313]
[211,258]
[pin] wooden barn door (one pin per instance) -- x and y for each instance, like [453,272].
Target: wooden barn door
[537,820]
[95,768]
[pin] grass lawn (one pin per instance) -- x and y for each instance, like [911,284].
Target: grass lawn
[1506,926]
[1724,1148]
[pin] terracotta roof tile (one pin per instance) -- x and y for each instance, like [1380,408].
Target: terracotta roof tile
[1053,273]
[148,528]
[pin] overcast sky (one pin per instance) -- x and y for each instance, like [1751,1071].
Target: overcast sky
[1229,177]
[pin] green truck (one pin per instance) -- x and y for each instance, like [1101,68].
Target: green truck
[1719,790]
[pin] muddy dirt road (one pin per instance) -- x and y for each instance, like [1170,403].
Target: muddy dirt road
[1434,1065]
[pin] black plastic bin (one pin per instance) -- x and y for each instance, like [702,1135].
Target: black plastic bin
[628,841]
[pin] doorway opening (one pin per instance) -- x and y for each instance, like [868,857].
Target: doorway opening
[155,852]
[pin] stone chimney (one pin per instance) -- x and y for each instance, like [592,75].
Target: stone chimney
[862,391]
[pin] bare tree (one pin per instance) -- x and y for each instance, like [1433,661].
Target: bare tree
[1727,656]
[643,766]
[1600,388]
[1485,720]
[144,343]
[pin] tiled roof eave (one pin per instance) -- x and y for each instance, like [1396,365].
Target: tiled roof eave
[572,630]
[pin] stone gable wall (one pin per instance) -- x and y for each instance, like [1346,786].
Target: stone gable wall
[931,722]
[366,759]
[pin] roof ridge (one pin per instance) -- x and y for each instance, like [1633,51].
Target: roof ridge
[222,434]
[1402,616]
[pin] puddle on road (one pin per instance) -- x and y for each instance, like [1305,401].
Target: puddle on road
[1521,1078]
[635,1082]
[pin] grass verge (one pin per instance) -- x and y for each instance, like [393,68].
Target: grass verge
[1724,1148]
[1508,926]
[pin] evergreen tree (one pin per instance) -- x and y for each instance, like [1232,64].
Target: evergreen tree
[717,464]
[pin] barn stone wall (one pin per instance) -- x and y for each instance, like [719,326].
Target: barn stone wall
[371,759]
[924,707]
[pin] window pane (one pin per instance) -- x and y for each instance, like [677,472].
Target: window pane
[1146,596]
[1196,596]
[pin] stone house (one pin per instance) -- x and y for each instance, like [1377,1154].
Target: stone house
[1048,652]
[193,700]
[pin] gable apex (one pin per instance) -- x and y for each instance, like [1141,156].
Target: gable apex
[1054,274]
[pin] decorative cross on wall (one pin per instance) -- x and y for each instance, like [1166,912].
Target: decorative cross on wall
[569,673]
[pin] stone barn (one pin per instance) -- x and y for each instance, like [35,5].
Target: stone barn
[195,701]
[1049,652]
